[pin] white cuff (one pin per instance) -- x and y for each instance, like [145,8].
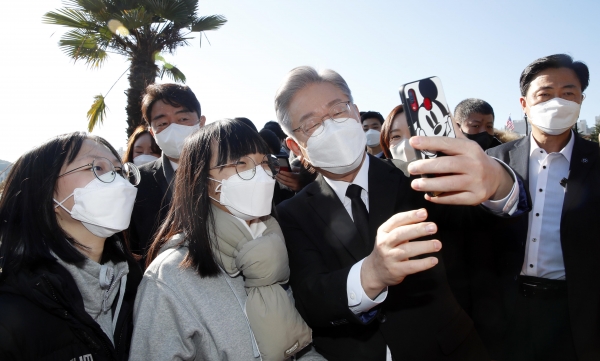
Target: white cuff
[358,301]
[507,205]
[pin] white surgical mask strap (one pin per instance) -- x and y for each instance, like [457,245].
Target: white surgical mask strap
[60,204]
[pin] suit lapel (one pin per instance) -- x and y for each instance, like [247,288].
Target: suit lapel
[519,159]
[384,183]
[159,176]
[330,209]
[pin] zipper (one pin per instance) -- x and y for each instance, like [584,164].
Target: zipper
[90,340]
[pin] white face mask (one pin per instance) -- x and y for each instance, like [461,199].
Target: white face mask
[372,137]
[171,139]
[143,159]
[339,148]
[103,208]
[554,116]
[403,151]
[247,199]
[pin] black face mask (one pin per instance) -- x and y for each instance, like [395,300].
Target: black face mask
[484,139]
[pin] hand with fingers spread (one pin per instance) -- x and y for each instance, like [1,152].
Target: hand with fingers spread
[390,262]
[466,176]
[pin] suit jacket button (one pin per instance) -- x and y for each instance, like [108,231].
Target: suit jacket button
[381,317]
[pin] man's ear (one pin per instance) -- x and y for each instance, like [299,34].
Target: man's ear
[293,146]
[202,121]
[523,102]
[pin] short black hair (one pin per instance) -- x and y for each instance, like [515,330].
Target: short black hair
[175,95]
[275,128]
[554,61]
[248,122]
[371,114]
[271,139]
[29,231]
[472,105]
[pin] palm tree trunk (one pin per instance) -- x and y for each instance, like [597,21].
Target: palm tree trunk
[141,74]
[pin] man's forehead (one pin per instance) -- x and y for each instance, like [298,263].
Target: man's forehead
[556,77]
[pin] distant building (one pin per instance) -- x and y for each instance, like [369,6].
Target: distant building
[520,127]
[582,127]
[597,119]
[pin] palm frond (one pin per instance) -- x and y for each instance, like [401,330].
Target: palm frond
[172,72]
[210,22]
[71,18]
[135,18]
[176,11]
[97,112]
[80,44]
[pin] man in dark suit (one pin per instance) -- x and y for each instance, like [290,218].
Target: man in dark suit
[548,260]
[367,292]
[172,112]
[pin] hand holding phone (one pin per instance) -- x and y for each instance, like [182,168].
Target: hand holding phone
[427,114]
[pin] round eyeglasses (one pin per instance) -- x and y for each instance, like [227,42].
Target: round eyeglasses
[314,126]
[106,172]
[245,167]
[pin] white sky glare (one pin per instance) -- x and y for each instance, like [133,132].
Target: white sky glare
[477,48]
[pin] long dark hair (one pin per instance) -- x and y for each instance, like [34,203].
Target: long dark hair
[29,231]
[190,211]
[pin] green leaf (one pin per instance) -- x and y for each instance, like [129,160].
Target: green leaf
[88,46]
[176,11]
[172,72]
[210,22]
[135,18]
[97,112]
[71,18]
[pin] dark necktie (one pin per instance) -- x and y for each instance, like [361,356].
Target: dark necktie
[359,212]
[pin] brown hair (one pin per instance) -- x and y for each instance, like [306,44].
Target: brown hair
[139,131]
[386,129]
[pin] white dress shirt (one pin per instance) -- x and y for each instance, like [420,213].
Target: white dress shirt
[543,251]
[358,301]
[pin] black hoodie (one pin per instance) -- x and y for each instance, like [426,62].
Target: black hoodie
[42,317]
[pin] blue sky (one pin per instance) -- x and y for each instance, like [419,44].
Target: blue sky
[477,48]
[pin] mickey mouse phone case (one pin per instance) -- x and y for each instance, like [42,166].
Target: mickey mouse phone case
[427,114]
[426,111]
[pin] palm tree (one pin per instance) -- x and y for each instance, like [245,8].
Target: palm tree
[138,29]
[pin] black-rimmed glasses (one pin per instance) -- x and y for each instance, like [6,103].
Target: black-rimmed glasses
[245,167]
[314,126]
[106,172]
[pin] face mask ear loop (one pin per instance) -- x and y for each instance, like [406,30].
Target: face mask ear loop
[60,204]
[217,190]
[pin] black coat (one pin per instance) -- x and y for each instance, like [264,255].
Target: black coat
[419,320]
[151,204]
[579,236]
[42,317]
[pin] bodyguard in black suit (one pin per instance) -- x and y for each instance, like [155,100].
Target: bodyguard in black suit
[548,261]
[173,112]
[357,280]
[152,202]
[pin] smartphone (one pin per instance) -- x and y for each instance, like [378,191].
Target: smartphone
[284,163]
[427,113]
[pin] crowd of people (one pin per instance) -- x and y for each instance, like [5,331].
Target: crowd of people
[323,236]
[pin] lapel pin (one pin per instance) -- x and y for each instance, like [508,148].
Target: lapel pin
[584,160]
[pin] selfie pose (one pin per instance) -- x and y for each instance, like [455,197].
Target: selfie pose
[218,272]
[67,281]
